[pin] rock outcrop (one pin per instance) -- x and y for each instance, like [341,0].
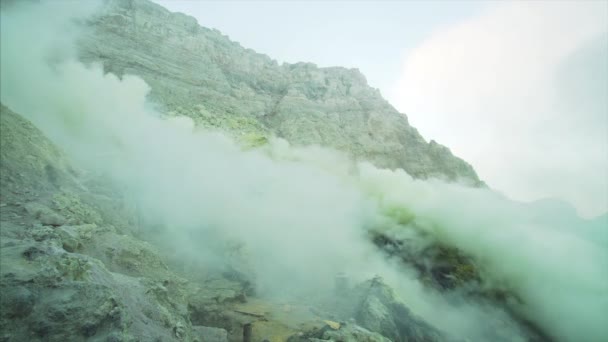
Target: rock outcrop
[71,268]
[52,289]
[200,73]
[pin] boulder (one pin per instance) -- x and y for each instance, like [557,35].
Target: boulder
[380,311]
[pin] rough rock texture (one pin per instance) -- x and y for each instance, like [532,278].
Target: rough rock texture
[70,267]
[346,333]
[209,334]
[447,270]
[371,312]
[380,311]
[50,290]
[198,72]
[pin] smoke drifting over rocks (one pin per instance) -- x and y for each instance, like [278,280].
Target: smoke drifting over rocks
[301,215]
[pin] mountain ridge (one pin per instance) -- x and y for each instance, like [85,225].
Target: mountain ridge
[200,73]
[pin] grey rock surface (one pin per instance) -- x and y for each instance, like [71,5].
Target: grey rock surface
[210,334]
[87,276]
[67,273]
[200,73]
[346,333]
[380,311]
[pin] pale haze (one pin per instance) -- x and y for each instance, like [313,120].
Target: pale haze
[517,89]
[165,227]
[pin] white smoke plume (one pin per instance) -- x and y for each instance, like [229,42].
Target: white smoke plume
[302,219]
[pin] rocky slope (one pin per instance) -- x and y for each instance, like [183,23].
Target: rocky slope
[73,268]
[55,234]
[201,73]
[79,261]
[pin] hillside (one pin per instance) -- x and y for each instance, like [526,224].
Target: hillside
[200,73]
[158,182]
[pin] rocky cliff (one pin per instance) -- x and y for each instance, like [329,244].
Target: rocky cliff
[198,72]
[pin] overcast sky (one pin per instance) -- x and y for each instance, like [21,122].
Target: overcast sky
[518,89]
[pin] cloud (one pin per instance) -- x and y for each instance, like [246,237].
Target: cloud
[520,92]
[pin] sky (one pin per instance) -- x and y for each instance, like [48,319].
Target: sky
[517,89]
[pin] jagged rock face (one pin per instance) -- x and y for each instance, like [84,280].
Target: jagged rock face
[370,311]
[70,269]
[200,73]
[51,290]
[347,332]
[379,310]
